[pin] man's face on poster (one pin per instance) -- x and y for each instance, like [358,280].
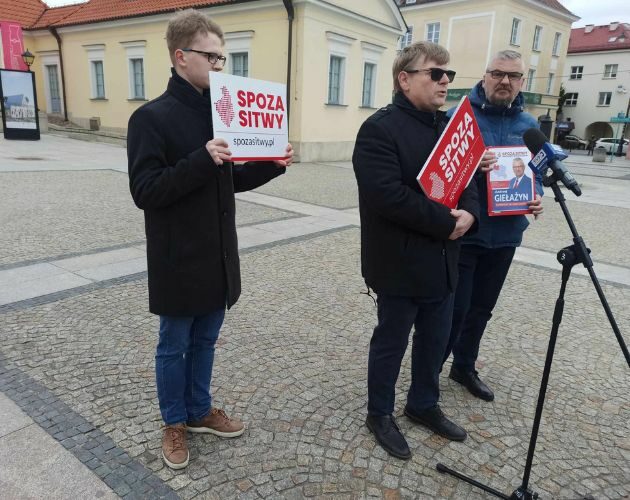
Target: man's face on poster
[519,167]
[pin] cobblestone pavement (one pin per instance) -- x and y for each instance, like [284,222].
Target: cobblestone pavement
[292,358]
[52,214]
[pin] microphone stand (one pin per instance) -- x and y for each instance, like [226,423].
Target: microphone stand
[569,256]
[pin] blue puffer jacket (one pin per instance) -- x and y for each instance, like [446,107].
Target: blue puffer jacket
[500,126]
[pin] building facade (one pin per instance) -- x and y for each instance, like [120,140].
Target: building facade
[473,31]
[597,81]
[98,61]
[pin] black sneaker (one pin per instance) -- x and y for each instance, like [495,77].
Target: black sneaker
[388,435]
[472,382]
[434,419]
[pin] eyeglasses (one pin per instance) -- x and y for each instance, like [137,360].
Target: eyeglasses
[212,57]
[436,73]
[500,75]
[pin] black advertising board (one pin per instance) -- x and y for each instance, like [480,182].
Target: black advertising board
[18,100]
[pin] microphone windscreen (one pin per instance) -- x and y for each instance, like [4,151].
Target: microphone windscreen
[534,139]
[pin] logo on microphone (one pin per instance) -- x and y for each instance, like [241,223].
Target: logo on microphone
[224,107]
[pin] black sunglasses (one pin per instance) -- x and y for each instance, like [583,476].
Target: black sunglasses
[500,75]
[212,57]
[436,73]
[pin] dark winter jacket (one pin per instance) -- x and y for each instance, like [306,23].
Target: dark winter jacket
[188,203]
[405,249]
[500,126]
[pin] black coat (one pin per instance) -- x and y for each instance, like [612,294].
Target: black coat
[405,249]
[188,203]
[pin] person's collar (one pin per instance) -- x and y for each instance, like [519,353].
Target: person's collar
[186,93]
[427,117]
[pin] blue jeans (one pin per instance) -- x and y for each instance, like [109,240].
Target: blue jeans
[396,316]
[183,365]
[482,272]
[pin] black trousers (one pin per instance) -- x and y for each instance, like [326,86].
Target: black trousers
[396,316]
[482,272]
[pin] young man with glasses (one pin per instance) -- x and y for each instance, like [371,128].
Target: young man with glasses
[183,179]
[486,256]
[409,245]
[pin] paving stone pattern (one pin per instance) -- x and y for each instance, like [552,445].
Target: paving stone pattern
[319,184]
[292,362]
[49,215]
[603,228]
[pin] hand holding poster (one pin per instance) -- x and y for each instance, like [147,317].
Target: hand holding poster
[454,159]
[250,115]
[510,183]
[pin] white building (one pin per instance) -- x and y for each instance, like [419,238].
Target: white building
[597,83]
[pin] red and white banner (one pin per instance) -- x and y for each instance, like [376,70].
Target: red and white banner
[12,45]
[454,159]
[250,115]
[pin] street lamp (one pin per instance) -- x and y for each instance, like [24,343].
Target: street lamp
[28,58]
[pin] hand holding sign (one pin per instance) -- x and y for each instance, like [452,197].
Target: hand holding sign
[219,151]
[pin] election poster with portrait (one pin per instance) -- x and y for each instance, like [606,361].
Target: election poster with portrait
[454,159]
[511,182]
[251,115]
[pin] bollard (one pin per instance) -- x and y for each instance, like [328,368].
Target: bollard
[599,154]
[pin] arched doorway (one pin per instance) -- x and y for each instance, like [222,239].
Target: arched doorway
[599,130]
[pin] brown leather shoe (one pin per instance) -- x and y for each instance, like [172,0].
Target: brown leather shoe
[174,447]
[218,423]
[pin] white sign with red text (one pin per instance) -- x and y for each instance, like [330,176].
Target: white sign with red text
[251,115]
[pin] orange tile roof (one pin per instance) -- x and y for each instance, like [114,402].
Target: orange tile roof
[25,12]
[106,10]
[54,15]
[600,38]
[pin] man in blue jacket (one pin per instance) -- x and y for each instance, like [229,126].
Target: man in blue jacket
[409,245]
[486,256]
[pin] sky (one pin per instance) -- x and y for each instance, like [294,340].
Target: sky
[591,11]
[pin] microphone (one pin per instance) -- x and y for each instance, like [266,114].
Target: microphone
[548,155]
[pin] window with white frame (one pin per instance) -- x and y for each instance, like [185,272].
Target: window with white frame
[531,76]
[604,98]
[407,38]
[335,75]
[238,48]
[556,44]
[576,72]
[537,38]
[433,32]
[515,35]
[239,63]
[338,50]
[571,99]
[369,72]
[98,75]
[135,52]
[610,70]
[550,83]
[96,57]
[371,57]
[136,68]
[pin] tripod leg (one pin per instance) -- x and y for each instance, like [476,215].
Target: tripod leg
[446,470]
[557,319]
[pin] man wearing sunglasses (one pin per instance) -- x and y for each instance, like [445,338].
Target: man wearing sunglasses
[486,255]
[409,245]
[183,179]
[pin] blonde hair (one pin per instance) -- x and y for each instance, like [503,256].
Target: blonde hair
[428,51]
[185,26]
